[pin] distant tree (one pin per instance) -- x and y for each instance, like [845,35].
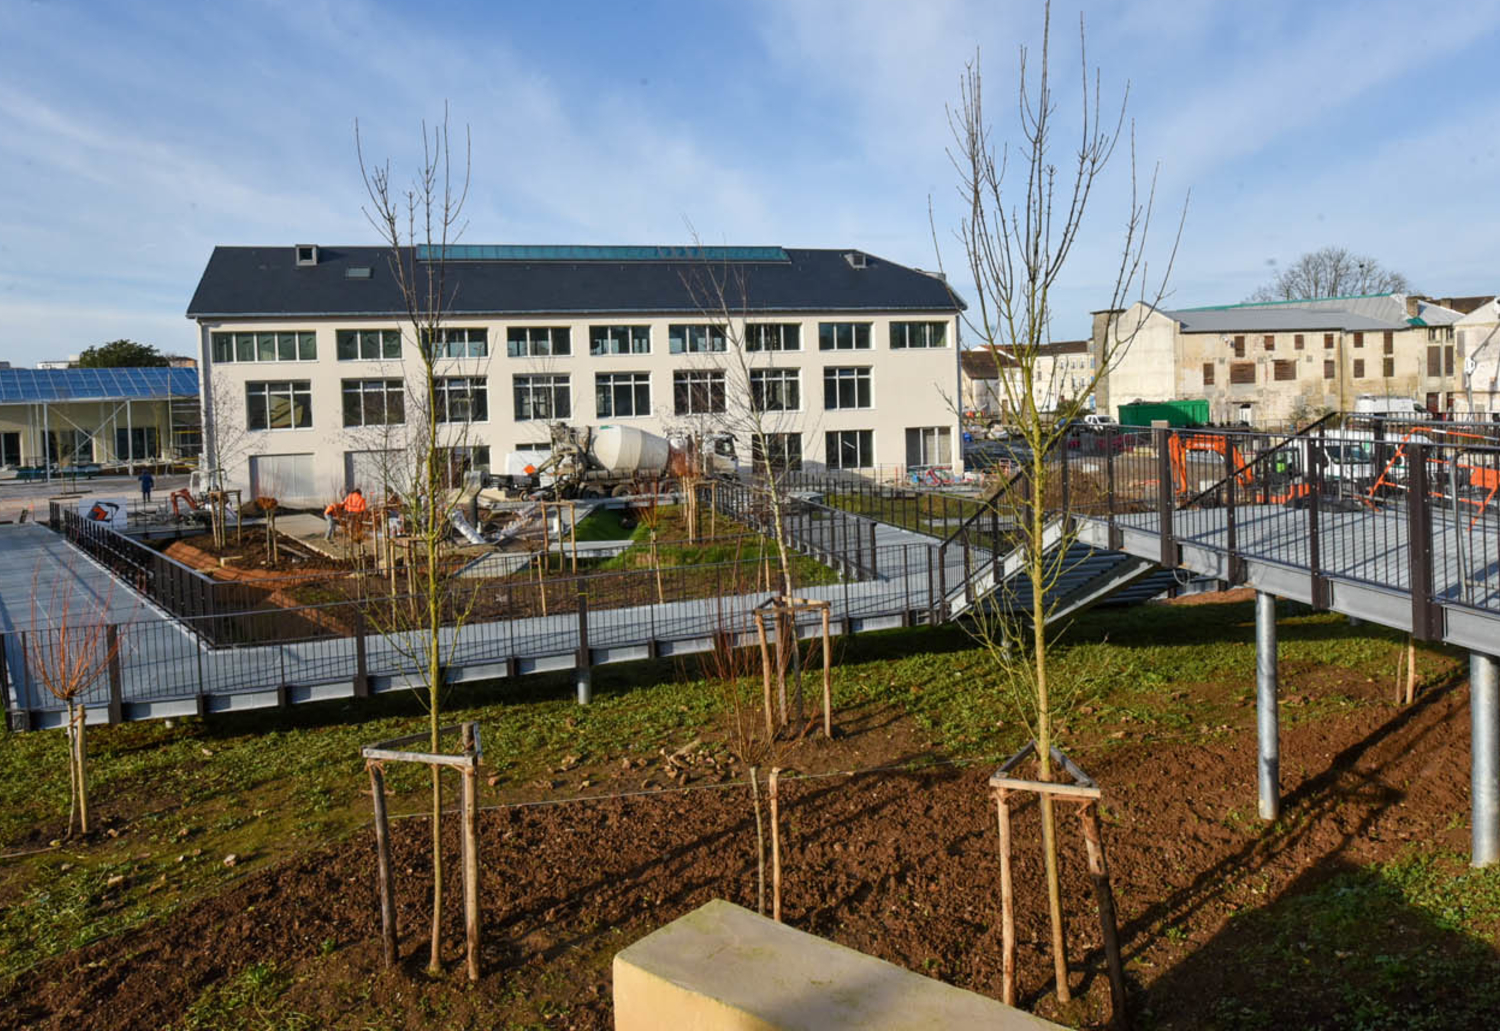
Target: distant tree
[119,354]
[1332,272]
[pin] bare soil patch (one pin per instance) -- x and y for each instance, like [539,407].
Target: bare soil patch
[900,864]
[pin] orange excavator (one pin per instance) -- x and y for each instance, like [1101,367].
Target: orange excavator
[1473,476]
[1283,484]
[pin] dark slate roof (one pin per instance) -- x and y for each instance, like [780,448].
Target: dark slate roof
[266,281]
[25,385]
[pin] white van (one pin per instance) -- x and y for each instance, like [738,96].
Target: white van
[1383,404]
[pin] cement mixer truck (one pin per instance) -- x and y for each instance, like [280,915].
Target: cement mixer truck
[592,462]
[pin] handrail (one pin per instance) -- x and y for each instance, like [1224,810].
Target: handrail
[1296,435]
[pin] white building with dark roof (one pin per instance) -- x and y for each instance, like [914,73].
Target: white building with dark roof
[305,354]
[1280,362]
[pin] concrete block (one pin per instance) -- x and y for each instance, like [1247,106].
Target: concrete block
[724,968]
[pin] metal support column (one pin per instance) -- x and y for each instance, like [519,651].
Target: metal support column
[1484,723]
[1269,756]
[583,675]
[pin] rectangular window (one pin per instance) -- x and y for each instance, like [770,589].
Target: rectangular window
[1270,341]
[538,341]
[366,345]
[1208,374]
[695,338]
[131,444]
[783,450]
[918,334]
[1239,347]
[278,405]
[542,397]
[462,399]
[1328,341]
[1242,372]
[776,390]
[698,392]
[622,395]
[847,387]
[1299,342]
[1284,370]
[1435,360]
[1388,367]
[294,346]
[843,336]
[1432,403]
[1388,342]
[462,342]
[1448,360]
[1359,340]
[10,449]
[374,402]
[1328,370]
[619,340]
[849,449]
[773,336]
[929,445]
[1359,368]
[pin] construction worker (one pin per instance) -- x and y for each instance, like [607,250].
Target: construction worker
[331,515]
[354,509]
[147,482]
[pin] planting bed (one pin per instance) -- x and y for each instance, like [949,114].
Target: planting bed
[1354,911]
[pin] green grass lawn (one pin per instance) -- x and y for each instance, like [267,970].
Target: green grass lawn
[263,785]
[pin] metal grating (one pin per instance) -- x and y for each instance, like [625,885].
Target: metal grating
[526,252]
[25,386]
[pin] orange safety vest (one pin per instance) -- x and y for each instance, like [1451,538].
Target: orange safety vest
[354,504]
[334,508]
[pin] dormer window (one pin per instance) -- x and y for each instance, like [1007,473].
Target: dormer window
[856,259]
[307,254]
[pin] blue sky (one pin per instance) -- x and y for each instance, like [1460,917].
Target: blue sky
[138,136]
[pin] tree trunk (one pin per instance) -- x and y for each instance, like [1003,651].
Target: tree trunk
[82,753]
[72,768]
[760,842]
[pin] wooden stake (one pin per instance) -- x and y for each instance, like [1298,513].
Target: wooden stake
[470,807]
[1007,902]
[782,655]
[546,544]
[775,848]
[1088,815]
[383,867]
[765,672]
[1411,669]
[827,677]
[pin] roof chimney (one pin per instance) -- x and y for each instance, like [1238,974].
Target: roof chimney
[1413,303]
[307,254]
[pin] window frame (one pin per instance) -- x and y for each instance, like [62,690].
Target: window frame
[635,334]
[475,388]
[782,459]
[293,390]
[559,341]
[834,378]
[692,387]
[756,337]
[711,335]
[859,336]
[906,329]
[382,345]
[637,381]
[362,388]
[833,445]
[304,346]
[778,378]
[530,385]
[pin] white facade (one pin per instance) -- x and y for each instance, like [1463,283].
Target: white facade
[284,426]
[1479,352]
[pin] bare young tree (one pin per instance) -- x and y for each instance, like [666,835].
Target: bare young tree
[70,649]
[417,222]
[1022,218]
[1332,272]
[226,444]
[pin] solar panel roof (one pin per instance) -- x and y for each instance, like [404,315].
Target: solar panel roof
[26,386]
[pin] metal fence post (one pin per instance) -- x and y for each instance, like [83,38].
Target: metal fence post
[361,658]
[1424,617]
[1164,500]
[583,675]
[112,652]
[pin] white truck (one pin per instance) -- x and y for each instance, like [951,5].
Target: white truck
[585,461]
